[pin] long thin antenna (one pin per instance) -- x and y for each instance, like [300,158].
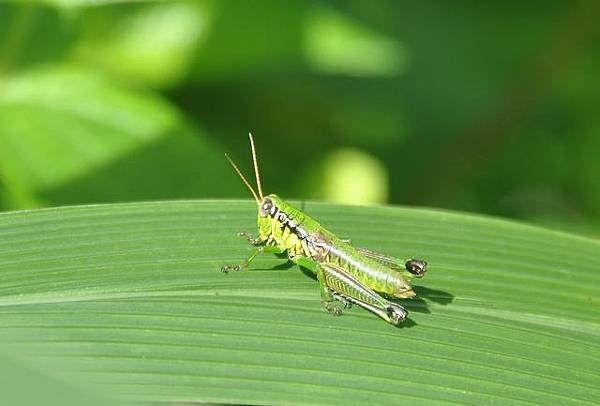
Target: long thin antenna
[243,178]
[260,192]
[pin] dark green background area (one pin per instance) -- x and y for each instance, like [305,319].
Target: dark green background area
[481,107]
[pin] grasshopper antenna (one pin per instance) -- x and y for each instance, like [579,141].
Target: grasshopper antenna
[256,174]
[243,178]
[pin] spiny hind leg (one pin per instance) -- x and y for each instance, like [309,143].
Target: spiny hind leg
[344,285]
[328,297]
[334,302]
[415,267]
[267,249]
[343,299]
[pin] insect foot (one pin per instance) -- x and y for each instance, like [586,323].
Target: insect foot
[417,267]
[332,308]
[347,304]
[234,268]
[396,313]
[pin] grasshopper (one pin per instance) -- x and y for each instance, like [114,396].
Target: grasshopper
[346,274]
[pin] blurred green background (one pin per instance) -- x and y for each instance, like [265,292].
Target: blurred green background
[483,107]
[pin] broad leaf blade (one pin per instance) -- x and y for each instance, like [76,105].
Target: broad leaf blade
[130,297]
[69,135]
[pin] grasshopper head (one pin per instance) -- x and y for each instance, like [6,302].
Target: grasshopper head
[268,206]
[267,210]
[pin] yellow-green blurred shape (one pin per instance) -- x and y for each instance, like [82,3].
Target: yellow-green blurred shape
[336,44]
[83,3]
[354,177]
[152,46]
[60,122]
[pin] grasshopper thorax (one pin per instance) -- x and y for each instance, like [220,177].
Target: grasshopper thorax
[279,220]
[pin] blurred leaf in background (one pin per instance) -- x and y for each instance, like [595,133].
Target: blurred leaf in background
[68,136]
[491,108]
[337,45]
[150,45]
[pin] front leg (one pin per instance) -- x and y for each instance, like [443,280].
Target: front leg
[267,249]
[256,241]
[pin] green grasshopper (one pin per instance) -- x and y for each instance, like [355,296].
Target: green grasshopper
[346,274]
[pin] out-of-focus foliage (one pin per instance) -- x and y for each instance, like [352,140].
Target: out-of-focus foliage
[486,107]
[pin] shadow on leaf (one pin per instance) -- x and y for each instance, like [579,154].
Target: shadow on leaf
[437,296]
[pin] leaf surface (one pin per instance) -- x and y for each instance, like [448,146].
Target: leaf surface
[130,297]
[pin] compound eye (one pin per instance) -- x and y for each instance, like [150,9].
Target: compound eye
[266,207]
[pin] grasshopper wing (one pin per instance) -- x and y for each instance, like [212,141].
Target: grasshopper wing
[416,267]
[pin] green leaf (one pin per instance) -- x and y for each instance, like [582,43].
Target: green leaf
[68,135]
[116,39]
[16,380]
[245,41]
[129,297]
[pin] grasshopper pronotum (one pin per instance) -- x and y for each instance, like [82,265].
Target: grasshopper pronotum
[347,275]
